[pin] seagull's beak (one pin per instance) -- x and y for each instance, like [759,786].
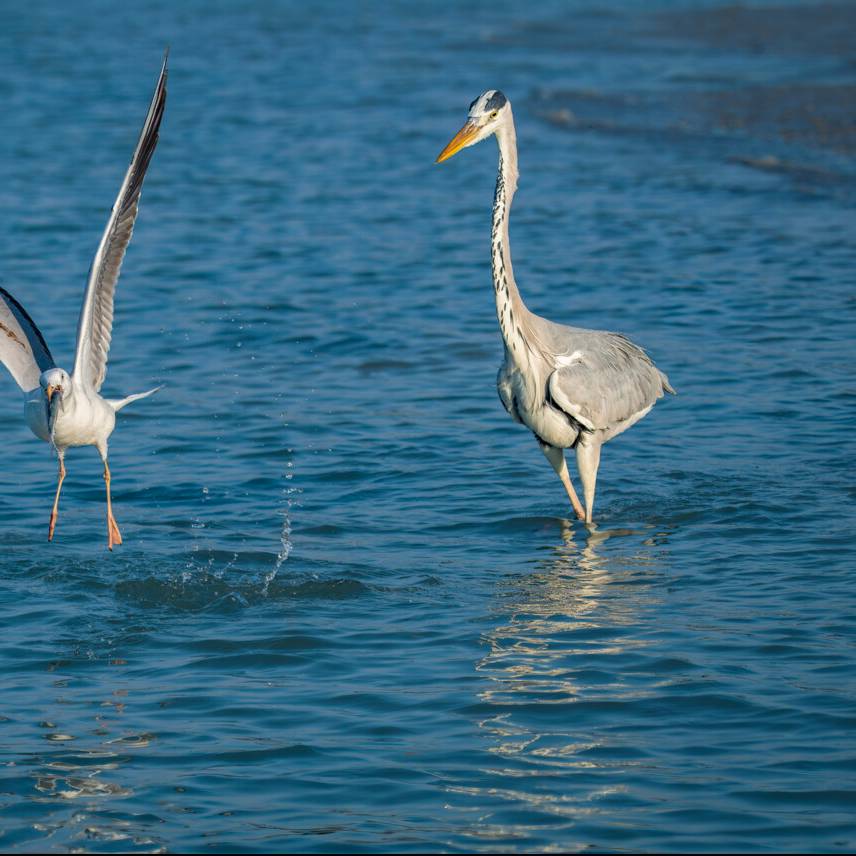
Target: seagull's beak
[51,400]
[465,137]
[54,394]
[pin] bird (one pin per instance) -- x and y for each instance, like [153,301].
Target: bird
[66,409]
[573,388]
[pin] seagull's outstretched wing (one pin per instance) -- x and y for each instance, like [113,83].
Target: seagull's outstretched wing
[23,349]
[96,316]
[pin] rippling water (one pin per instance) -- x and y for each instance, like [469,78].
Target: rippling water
[350,611]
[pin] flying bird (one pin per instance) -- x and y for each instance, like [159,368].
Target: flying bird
[573,388]
[67,409]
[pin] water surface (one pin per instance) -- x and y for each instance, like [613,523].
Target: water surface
[351,611]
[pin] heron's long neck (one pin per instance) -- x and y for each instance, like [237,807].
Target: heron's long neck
[510,309]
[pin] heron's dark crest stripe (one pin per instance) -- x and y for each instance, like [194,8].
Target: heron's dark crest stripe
[496,101]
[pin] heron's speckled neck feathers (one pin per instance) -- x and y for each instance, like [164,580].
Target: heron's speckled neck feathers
[511,312]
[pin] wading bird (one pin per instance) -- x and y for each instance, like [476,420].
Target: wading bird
[67,410]
[573,388]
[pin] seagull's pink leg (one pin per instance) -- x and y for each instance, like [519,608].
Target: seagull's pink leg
[113,534]
[55,510]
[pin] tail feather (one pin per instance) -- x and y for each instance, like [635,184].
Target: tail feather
[118,404]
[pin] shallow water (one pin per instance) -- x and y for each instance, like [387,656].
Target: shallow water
[350,611]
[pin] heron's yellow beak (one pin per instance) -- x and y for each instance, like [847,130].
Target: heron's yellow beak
[464,137]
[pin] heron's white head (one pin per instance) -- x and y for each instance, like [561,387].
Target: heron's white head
[488,113]
[53,382]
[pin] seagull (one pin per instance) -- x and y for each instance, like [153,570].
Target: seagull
[573,388]
[67,409]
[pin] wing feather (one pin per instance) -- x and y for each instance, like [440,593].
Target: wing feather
[607,382]
[95,327]
[23,349]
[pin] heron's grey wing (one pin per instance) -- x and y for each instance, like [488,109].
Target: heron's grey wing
[23,349]
[607,381]
[96,315]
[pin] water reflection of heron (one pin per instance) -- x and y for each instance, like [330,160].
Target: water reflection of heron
[559,662]
[578,589]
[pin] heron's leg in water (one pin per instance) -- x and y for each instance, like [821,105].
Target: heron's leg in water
[113,534]
[556,457]
[55,510]
[588,460]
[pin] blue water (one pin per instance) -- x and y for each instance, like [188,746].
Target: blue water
[351,611]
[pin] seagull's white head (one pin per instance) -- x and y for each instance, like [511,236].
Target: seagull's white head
[53,382]
[488,113]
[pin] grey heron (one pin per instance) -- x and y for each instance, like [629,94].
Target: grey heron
[573,388]
[66,409]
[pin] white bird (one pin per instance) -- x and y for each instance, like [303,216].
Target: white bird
[67,410]
[573,388]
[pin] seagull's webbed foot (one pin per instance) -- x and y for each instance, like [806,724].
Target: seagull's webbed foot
[114,536]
